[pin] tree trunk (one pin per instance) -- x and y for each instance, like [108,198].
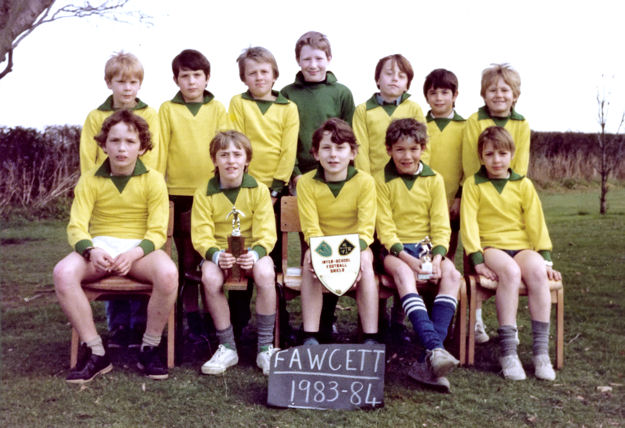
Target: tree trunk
[17,16]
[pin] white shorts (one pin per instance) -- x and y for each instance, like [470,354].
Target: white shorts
[115,246]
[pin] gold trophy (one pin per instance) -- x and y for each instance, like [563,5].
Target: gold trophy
[425,255]
[236,247]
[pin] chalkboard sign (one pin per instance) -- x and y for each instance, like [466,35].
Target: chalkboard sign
[328,377]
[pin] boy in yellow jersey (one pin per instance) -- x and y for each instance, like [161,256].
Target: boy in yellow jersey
[393,75]
[505,236]
[123,74]
[444,150]
[188,123]
[500,89]
[118,223]
[411,206]
[337,199]
[230,189]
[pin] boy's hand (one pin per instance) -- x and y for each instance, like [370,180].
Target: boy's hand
[101,260]
[481,269]
[436,267]
[226,260]
[413,262]
[273,200]
[454,210]
[296,179]
[553,275]
[246,261]
[123,262]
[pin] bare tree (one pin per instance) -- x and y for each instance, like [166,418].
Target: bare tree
[611,147]
[18,18]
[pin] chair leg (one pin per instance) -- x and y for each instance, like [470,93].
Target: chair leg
[276,330]
[471,327]
[560,329]
[73,353]
[461,324]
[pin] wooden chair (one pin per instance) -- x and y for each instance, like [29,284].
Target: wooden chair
[290,280]
[481,286]
[114,287]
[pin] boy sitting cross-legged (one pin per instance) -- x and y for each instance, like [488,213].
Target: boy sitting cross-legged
[504,233]
[118,223]
[229,189]
[337,199]
[412,205]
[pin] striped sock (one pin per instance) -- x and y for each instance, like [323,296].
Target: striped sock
[443,311]
[416,312]
[149,340]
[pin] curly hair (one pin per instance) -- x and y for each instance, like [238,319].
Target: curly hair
[137,123]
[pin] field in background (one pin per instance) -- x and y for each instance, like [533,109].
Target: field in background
[34,351]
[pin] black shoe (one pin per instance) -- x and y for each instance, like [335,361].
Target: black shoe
[151,364]
[89,366]
[118,337]
[136,336]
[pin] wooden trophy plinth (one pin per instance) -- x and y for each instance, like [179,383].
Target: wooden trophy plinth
[236,279]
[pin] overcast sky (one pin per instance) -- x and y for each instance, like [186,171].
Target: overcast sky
[560,48]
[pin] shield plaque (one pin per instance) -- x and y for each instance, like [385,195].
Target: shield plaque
[336,261]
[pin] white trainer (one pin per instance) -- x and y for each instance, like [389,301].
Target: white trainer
[441,362]
[512,368]
[223,358]
[263,359]
[480,332]
[543,368]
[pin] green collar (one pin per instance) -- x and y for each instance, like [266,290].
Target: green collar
[264,105]
[442,122]
[330,79]
[482,177]
[120,181]
[335,186]
[108,105]
[483,113]
[194,108]
[391,173]
[214,186]
[373,101]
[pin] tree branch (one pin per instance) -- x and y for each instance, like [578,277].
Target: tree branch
[9,65]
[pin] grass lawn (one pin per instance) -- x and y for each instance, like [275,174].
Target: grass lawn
[588,249]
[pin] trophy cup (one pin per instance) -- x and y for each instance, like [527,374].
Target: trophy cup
[425,255]
[236,247]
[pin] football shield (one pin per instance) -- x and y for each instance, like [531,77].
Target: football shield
[336,261]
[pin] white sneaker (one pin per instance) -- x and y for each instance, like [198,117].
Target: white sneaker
[543,368]
[480,332]
[263,359]
[512,368]
[440,361]
[421,372]
[223,358]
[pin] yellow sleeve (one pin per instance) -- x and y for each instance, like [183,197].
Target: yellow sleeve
[263,222]
[367,207]
[223,121]
[440,230]
[307,208]
[78,228]
[236,116]
[385,224]
[290,134]
[164,137]
[521,160]
[362,161]
[88,149]
[469,227]
[534,218]
[470,158]
[158,210]
[202,223]
[153,158]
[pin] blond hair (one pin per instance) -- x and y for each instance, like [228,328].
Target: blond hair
[123,63]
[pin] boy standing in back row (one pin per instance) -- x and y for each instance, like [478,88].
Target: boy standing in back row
[318,97]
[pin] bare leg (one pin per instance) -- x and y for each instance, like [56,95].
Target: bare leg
[509,280]
[213,281]
[534,275]
[367,294]
[265,280]
[311,295]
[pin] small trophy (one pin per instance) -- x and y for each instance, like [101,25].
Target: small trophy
[236,247]
[425,255]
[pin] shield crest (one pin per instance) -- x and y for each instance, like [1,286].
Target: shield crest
[336,261]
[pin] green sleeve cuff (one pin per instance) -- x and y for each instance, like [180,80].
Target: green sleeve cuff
[82,245]
[458,192]
[363,245]
[396,249]
[546,254]
[260,250]
[439,249]
[277,185]
[210,252]
[476,258]
[147,245]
